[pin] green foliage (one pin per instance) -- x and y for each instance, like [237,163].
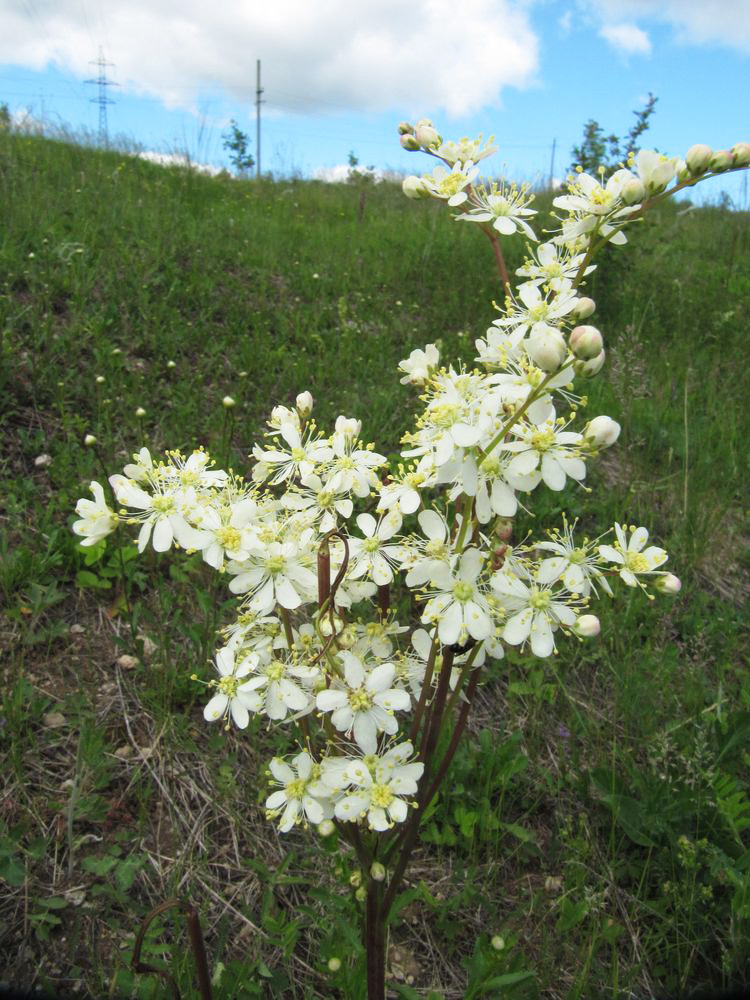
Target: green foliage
[236,142]
[598,150]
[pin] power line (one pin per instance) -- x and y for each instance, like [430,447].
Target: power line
[102,100]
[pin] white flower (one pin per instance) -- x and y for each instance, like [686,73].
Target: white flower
[272,691]
[233,696]
[303,796]
[458,607]
[402,492]
[547,451]
[449,184]
[364,706]
[629,553]
[278,574]
[381,782]
[420,365]
[576,565]
[166,511]
[430,555]
[301,459]
[352,466]
[97,520]
[323,501]
[505,207]
[370,556]
[537,612]
[227,530]
[554,266]
[465,149]
[655,169]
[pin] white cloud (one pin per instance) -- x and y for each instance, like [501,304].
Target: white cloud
[628,38]
[177,160]
[341,173]
[373,55]
[695,22]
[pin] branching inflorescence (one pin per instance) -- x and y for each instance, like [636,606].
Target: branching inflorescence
[315,538]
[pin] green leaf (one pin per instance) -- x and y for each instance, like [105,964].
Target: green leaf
[12,871]
[99,866]
[507,979]
[85,578]
[54,903]
[571,913]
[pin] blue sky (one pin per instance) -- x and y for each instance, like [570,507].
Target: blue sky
[529,71]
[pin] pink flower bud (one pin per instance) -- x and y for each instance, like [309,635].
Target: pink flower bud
[584,308]
[587,626]
[741,153]
[721,160]
[698,158]
[602,431]
[587,369]
[669,584]
[586,342]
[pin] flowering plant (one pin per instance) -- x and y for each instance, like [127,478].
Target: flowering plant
[316,537]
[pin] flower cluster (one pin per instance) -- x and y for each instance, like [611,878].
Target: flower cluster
[314,539]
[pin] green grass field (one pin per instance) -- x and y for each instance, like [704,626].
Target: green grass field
[597,817]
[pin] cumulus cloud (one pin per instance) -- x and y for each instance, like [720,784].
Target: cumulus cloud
[695,22]
[628,38]
[454,56]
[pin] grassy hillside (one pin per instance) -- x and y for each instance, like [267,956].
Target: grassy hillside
[597,819]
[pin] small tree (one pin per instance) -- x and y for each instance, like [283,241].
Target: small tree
[597,150]
[236,143]
[4,117]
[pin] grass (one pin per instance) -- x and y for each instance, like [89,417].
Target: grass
[597,818]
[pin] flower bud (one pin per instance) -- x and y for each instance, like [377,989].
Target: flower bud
[361,894]
[304,404]
[414,187]
[349,426]
[377,872]
[602,431]
[741,154]
[140,412]
[546,349]
[404,128]
[227,402]
[698,158]
[409,143]
[586,342]
[587,369]
[89,440]
[326,828]
[99,379]
[171,364]
[721,160]
[587,626]
[668,584]
[498,942]
[427,136]
[584,308]
[355,880]
[334,964]
[504,529]
[633,192]
[325,625]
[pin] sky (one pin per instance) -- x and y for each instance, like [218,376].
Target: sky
[338,76]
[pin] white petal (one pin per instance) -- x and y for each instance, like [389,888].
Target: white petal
[215,708]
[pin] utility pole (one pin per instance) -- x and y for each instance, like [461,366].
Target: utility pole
[552,165]
[102,100]
[258,102]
